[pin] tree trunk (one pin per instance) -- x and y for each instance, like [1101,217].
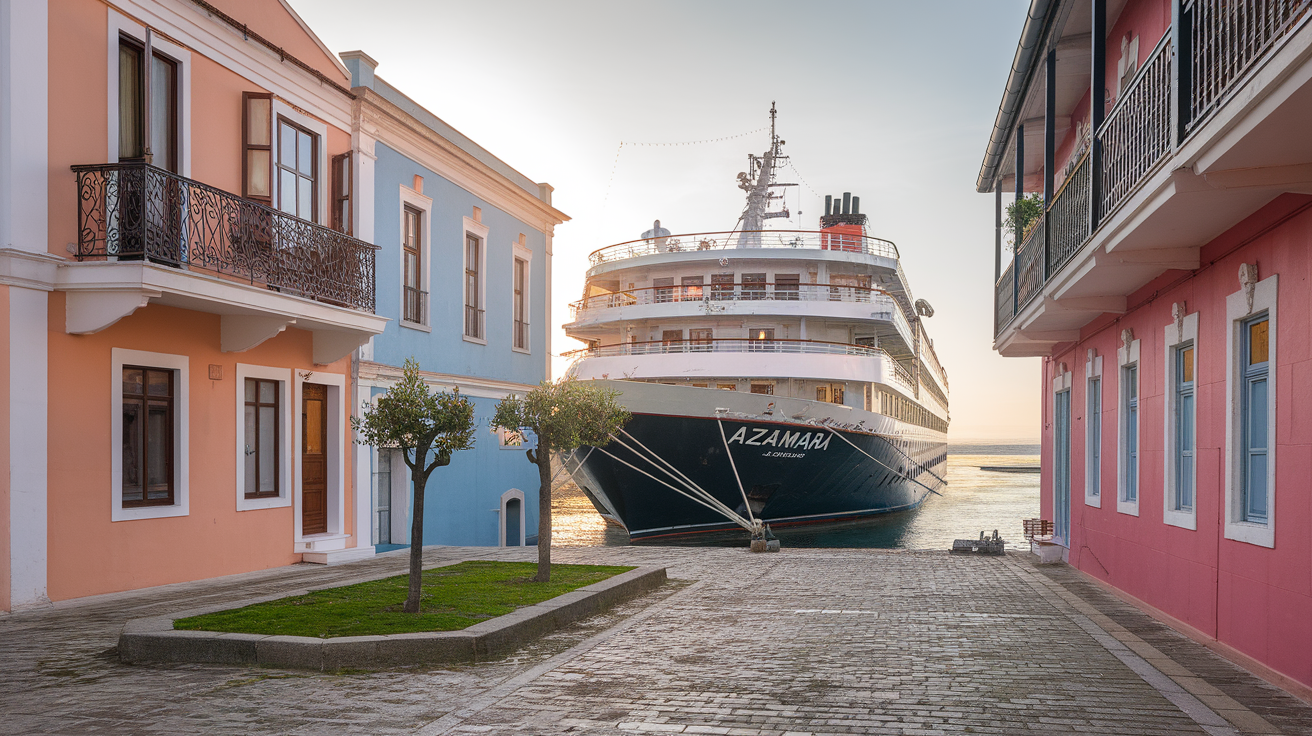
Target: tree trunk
[544,513]
[417,539]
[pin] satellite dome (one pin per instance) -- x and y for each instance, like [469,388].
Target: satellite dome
[656,231]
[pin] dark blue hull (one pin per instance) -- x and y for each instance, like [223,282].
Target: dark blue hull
[790,473]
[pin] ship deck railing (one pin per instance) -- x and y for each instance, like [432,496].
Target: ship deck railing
[724,240]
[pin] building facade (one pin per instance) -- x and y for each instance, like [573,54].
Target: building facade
[1164,282]
[181,298]
[464,277]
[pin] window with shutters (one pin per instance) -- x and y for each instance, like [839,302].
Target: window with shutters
[147,105]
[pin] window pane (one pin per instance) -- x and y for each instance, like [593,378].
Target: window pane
[268,450]
[412,270]
[304,153]
[132,428]
[129,101]
[250,388]
[268,392]
[314,427]
[1187,365]
[257,121]
[252,450]
[287,191]
[286,145]
[157,383]
[159,431]
[1256,491]
[1257,342]
[305,200]
[163,104]
[257,173]
[133,381]
[1257,411]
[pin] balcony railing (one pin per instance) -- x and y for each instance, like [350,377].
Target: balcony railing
[1030,261]
[804,239]
[473,322]
[137,212]
[521,334]
[1068,217]
[1004,301]
[735,345]
[787,292]
[1227,37]
[415,303]
[1137,132]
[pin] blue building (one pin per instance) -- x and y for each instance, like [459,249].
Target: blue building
[464,275]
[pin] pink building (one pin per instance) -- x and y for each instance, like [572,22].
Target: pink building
[180,296]
[1165,283]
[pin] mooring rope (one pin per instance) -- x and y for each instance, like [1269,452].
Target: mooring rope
[888,467]
[735,518]
[719,422]
[684,480]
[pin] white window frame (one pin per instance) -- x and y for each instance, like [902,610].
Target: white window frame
[1237,311]
[1126,357]
[1061,383]
[1092,375]
[1174,337]
[424,205]
[121,25]
[524,254]
[284,377]
[480,231]
[513,493]
[179,364]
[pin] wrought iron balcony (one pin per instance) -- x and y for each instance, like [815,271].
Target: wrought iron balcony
[138,212]
[415,305]
[1221,42]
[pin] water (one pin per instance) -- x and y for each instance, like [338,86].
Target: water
[975,500]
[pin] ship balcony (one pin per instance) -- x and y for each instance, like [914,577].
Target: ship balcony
[1211,128]
[725,358]
[146,235]
[823,301]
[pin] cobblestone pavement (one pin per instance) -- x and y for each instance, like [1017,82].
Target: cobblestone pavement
[806,641]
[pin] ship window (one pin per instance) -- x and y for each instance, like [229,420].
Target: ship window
[763,388]
[700,339]
[692,288]
[722,286]
[664,289]
[672,339]
[785,286]
[727,386]
[753,286]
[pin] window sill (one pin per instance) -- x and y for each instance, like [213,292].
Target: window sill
[525,351]
[418,326]
[1094,501]
[1130,508]
[1260,535]
[1182,519]
[133,513]
[475,340]
[257,503]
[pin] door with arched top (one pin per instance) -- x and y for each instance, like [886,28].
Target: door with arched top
[514,513]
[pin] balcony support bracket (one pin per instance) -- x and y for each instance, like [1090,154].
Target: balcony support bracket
[239,332]
[90,311]
[331,346]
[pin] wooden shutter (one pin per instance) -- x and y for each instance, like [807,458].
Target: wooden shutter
[342,191]
[257,146]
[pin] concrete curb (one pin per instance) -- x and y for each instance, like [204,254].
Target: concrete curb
[155,640]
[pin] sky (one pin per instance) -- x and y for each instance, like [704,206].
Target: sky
[890,100]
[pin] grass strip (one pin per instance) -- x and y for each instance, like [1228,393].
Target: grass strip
[454,597]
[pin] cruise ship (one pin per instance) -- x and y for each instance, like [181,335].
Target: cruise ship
[776,377]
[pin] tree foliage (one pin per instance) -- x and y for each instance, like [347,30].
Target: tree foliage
[563,416]
[1022,212]
[420,423]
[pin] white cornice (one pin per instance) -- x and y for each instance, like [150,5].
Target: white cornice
[28,269]
[381,375]
[396,128]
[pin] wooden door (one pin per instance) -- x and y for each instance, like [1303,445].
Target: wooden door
[314,459]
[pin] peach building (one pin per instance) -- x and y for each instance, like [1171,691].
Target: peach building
[180,296]
[1164,282]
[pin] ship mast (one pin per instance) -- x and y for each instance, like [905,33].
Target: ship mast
[758,181]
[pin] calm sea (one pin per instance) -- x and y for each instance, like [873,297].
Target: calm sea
[975,500]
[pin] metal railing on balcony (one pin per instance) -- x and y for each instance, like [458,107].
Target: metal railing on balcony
[1137,132]
[727,292]
[736,345]
[805,239]
[1004,301]
[1068,217]
[1030,261]
[414,305]
[521,334]
[1227,37]
[138,212]
[473,322]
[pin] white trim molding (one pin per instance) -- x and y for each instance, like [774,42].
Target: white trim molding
[1126,356]
[283,376]
[480,231]
[522,253]
[1181,333]
[1253,298]
[1093,474]
[512,494]
[425,206]
[179,364]
[336,496]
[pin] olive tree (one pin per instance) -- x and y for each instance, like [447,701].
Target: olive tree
[564,416]
[420,423]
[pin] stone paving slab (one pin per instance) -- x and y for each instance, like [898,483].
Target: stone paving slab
[806,641]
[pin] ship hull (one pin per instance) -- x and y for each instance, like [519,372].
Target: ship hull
[786,472]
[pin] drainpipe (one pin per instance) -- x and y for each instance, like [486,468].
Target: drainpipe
[997,232]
